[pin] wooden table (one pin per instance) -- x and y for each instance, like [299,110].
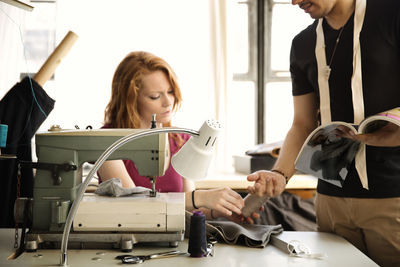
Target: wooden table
[300,184]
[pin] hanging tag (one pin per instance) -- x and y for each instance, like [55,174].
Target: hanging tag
[327,72]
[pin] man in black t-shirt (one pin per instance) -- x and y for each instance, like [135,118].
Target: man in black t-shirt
[345,67]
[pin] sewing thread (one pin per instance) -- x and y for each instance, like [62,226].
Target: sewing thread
[197,237]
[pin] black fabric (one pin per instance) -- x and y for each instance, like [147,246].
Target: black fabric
[19,110]
[380,57]
[290,211]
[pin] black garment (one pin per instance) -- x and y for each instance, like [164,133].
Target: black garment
[380,57]
[19,110]
[291,211]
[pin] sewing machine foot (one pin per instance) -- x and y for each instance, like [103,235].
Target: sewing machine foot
[173,244]
[126,245]
[31,246]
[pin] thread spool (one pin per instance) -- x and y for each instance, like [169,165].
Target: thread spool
[197,237]
[253,203]
[3,135]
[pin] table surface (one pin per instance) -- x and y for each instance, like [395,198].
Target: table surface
[238,181]
[339,253]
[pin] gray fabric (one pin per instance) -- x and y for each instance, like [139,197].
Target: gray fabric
[255,236]
[113,187]
[251,235]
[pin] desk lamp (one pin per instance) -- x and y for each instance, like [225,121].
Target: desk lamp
[191,161]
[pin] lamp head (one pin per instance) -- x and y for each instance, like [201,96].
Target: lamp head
[193,159]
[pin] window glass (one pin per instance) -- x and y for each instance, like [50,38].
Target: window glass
[287,21]
[238,34]
[242,123]
[278,111]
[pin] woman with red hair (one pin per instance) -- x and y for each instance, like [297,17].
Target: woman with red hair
[143,85]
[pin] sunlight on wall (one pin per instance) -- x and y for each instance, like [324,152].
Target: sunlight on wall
[107,32]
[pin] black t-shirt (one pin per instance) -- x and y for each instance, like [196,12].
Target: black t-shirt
[380,58]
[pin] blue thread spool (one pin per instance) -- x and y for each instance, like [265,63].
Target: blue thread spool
[197,237]
[3,135]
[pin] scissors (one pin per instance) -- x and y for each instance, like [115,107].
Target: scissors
[131,259]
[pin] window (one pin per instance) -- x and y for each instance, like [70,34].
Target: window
[278,22]
[283,22]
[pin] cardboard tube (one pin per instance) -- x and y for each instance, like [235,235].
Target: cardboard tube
[19,4]
[49,67]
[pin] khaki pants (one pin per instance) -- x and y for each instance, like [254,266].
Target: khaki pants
[371,225]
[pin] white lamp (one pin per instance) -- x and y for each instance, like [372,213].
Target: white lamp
[193,159]
[191,162]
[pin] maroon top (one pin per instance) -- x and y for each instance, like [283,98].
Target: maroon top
[171,181]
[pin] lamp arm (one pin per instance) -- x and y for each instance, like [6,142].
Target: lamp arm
[117,144]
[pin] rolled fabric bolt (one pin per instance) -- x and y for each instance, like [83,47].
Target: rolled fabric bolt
[252,203]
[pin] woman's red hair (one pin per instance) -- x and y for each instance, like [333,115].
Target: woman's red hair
[122,109]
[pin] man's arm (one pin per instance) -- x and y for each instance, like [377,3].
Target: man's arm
[272,183]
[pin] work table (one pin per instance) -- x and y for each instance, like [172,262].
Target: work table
[301,184]
[339,253]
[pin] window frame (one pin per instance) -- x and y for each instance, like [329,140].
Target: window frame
[260,70]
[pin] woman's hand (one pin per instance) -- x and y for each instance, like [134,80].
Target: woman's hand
[223,201]
[266,183]
[238,218]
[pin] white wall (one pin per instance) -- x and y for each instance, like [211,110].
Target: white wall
[107,32]
[11,49]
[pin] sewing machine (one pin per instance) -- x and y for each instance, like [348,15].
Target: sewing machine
[116,222]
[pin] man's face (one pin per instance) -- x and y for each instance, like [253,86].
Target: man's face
[315,8]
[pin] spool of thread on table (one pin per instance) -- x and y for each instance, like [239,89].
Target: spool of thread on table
[197,236]
[3,135]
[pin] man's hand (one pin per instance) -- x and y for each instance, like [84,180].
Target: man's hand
[387,136]
[266,183]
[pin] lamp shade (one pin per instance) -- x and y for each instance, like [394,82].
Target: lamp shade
[193,159]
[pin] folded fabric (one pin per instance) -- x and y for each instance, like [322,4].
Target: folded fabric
[251,235]
[271,149]
[113,187]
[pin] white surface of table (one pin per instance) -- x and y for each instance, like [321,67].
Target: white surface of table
[339,253]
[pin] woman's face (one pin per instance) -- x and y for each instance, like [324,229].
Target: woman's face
[155,97]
